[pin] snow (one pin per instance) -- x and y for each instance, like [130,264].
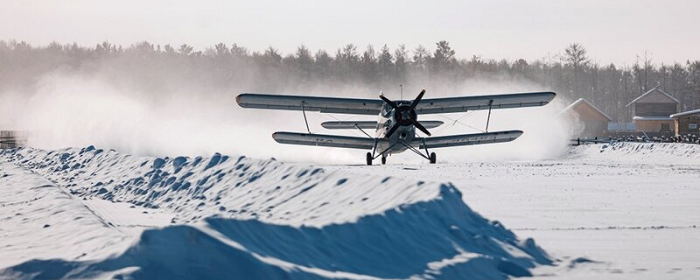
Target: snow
[39,219]
[630,208]
[686,113]
[611,211]
[114,215]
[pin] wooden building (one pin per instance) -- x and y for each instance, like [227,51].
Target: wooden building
[687,122]
[593,122]
[652,111]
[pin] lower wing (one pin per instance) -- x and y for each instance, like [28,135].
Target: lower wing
[468,139]
[364,143]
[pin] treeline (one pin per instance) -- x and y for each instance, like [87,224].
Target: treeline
[572,74]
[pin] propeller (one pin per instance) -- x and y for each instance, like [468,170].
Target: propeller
[405,115]
[391,103]
[417,100]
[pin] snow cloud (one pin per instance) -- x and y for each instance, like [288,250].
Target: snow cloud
[73,109]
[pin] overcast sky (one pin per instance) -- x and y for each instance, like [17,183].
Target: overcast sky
[612,31]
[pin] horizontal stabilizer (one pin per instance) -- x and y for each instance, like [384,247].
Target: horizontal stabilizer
[368,124]
[337,141]
[468,139]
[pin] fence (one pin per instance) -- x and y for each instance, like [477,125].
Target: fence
[639,137]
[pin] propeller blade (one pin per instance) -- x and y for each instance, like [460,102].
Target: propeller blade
[392,130]
[420,127]
[391,103]
[417,100]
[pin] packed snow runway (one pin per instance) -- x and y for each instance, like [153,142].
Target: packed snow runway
[626,211]
[632,208]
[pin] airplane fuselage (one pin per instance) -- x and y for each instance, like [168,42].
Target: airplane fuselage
[405,133]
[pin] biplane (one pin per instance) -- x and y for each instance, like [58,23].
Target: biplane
[395,130]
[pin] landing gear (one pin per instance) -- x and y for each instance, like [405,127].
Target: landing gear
[383,159]
[433,158]
[369,158]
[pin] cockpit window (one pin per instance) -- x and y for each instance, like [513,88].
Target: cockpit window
[386,110]
[388,123]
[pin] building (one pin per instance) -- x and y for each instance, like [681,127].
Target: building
[652,111]
[687,122]
[12,139]
[593,122]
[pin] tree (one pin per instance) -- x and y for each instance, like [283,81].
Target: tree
[322,67]
[272,56]
[144,47]
[369,64]
[347,61]
[520,66]
[444,57]
[303,61]
[303,55]
[575,55]
[421,57]
[385,64]
[571,74]
[221,50]
[386,60]
[101,49]
[185,49]
[348,54]
[401,57]
[238,51]
[169,49]
[368,56]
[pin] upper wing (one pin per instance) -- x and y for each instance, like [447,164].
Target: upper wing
[469,103]
[310,103]
[468,139]
[373,106]
[294,138]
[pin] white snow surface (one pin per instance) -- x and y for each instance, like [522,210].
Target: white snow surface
[605,211]
[82,213]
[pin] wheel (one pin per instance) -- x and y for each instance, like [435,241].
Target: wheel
[369,158]
[383,159]
[433,158]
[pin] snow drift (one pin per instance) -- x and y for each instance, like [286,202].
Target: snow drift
[243,218]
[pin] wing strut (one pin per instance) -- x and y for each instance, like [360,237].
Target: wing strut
[363,131]
[374,149]
[303,111]
[413,149]
[425,146]
[488,119]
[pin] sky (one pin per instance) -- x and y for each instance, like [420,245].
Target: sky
[612,31]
